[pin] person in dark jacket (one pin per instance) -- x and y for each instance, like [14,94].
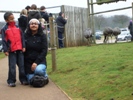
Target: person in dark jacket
[130,27]
[44,14]
[34,13]
[13,46]
[36,50]
[27,8]
[23,20]
[61,21]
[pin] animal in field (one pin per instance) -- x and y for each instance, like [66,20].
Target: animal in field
[107,32]
[110,32]
[88,35]
[116,32]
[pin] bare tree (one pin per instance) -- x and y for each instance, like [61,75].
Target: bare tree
[121,20]
[113,21]
[99,21]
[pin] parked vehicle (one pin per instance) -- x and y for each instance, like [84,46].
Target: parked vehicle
[125,35]
[98,36]
[99,32]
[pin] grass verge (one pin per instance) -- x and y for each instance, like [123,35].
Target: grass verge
[100,72]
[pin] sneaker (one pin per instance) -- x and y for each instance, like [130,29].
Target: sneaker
[12,84]
[24,83]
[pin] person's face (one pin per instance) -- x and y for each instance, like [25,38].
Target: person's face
[28,9]
[34,25]
[63,15]
[10,18]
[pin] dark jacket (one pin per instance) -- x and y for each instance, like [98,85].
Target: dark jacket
[45,16]
[130,27]
[12,38]
[61,23]
[23,22]
[36,50]
[34,14]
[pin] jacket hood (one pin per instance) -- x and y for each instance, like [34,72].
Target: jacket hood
[33,12]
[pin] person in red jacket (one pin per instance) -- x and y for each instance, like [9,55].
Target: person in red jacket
[13,46]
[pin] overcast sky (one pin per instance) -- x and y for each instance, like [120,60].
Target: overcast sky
[18,5]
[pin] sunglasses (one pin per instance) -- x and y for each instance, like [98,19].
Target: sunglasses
[33,23]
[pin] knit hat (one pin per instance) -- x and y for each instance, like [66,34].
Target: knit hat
[34,19]
[130,21]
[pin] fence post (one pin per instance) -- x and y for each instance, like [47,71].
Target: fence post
[93,26]
[52,42]
[88,4]
[56,34]
[132,11]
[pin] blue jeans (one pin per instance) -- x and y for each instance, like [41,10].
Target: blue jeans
[14,58]
[60,39]
[40,70]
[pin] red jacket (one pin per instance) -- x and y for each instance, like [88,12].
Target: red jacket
[12,37]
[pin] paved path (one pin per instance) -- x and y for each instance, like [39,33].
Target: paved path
[20,92]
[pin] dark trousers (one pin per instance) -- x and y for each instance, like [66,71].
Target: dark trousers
[13,59]
[60,39]
[132,36]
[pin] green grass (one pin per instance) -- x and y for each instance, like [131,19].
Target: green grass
[98,72]
[2,55]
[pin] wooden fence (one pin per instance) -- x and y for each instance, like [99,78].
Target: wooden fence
[76,24]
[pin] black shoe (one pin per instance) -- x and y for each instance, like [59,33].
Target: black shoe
[24,83]
[12,84]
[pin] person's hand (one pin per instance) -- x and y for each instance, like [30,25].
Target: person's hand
[6,53]
[33,67]
[23,49]
[66,18]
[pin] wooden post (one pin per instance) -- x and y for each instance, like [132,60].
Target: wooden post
[56,34]
[52,42]
[132,11]
[88,4]
[89,21]
[46,31]
[93,29]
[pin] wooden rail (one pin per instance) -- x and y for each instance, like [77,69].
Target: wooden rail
[111,10]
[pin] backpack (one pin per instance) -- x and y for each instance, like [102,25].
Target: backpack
[38,81]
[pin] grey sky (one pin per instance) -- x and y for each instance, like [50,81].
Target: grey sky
[18,5]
